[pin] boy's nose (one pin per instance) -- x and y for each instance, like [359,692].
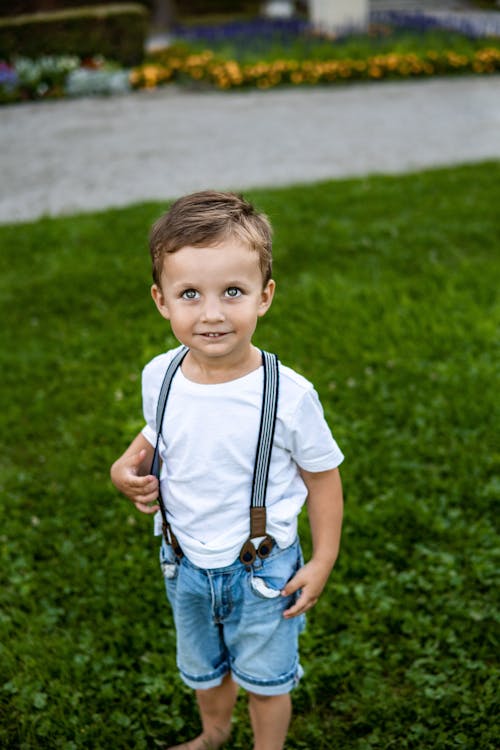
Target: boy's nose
[212,311]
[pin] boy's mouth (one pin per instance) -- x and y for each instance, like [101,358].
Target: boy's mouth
[214,335]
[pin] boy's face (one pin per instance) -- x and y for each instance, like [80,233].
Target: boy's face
[212,297]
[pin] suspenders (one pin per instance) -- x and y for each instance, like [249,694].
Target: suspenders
[269,409]
[262,459]
[155,466]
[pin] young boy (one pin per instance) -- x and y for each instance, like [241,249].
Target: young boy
[237,613]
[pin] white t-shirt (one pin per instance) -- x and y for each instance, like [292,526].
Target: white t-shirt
[208,445]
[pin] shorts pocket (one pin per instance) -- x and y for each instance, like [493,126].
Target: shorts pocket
[269,578]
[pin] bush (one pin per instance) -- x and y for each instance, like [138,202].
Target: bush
[206,7]
[117,32]
[181,7]
[24,7]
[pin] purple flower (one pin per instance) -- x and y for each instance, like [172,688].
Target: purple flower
[243,30]
[8,76]
[474,26]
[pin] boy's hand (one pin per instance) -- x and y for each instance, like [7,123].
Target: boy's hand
[324,506]
[126,476]
[311,578]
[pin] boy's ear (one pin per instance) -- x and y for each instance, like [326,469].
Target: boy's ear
[266,297]
[159,301]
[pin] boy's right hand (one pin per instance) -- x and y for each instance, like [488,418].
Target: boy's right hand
[127,478]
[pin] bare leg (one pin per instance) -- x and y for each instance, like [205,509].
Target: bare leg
[216,708]
[270,716]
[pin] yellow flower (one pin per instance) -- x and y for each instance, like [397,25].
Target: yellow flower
[230,73]
[135,77]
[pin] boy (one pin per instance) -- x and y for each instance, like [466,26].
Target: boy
[238,603]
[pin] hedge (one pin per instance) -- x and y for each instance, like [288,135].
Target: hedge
[118,32]
[27,7]
[181,8]
[206,7]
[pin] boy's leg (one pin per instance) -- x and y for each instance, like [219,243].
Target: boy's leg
[270,716]
[216,708]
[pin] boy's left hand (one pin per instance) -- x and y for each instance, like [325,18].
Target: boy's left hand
[324,506]
[311,578]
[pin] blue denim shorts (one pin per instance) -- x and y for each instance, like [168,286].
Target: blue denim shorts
[231,620]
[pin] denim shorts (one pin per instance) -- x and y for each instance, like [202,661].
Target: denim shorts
[231,620]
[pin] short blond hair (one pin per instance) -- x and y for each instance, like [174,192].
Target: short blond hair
[207,218]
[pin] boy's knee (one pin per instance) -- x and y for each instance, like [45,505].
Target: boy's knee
[263,699]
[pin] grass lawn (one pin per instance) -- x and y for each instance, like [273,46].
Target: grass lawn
[387,300]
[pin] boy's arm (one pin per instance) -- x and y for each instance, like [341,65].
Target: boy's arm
[325,508]
[130,474]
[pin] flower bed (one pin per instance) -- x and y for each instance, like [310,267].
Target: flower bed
[265,54]
[52,77]
[230,74]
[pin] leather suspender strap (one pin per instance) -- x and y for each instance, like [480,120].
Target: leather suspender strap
[156,464]
[270,393]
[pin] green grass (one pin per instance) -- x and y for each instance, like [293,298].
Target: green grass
[387,300]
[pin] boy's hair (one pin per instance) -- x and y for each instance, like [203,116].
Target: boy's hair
[207,218]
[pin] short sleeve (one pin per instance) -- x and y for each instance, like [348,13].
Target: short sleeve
[148,407]
[312,443]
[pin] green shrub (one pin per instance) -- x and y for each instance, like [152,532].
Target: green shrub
[206,7]
[117,32]
[24,7]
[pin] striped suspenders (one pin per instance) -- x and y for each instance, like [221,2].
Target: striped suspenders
[156,466]
[262,458]
[268,413]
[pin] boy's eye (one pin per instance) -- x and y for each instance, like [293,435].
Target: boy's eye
[233,291]
[189,294]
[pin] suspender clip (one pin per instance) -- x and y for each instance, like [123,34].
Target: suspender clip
[265,547]
[171,539]
[249,554]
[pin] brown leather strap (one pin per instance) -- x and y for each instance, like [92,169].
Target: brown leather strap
[257,522]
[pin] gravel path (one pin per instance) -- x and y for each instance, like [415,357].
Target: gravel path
[79,155]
